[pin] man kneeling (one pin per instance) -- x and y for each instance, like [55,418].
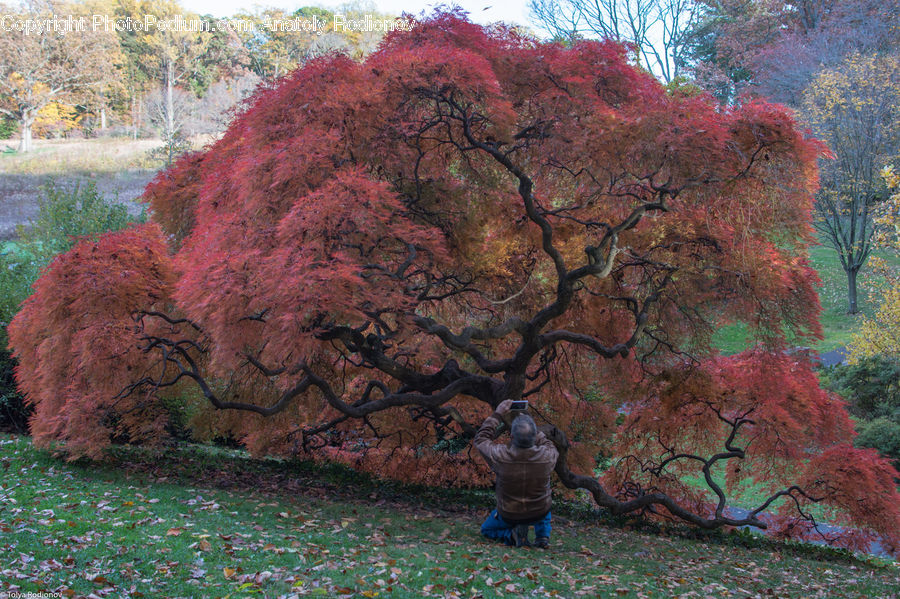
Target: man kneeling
[523,470]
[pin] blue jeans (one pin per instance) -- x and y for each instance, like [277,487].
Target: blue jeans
[497,528]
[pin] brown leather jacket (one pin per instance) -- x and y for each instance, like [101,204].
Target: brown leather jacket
[523,475]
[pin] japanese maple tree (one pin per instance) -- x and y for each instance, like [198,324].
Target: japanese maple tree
[376,254]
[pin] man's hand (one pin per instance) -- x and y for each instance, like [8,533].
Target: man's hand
[503,411]
[504,407]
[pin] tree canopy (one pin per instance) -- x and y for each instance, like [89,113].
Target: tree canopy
[377,253]
[776,48]
[39,69]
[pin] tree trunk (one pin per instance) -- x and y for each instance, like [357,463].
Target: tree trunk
[853,307]
[170,103]
[25,142]
[103,118]
[140,116]
[134,124]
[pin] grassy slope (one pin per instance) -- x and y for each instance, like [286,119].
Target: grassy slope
[59,158]
[207,523]
[838,326]
[120,168]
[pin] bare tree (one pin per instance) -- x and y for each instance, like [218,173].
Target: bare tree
[216,108]
[659,29]
[38,67]
[855,108]
[169,111]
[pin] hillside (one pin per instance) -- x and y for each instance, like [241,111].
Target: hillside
[205,522]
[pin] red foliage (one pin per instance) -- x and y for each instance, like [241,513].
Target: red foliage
[172,196]
[376,254]
[83,343]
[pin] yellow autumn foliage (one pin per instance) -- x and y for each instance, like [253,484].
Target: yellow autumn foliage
[56,118]
[880,334]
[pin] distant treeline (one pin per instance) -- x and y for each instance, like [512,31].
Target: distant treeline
[151,67]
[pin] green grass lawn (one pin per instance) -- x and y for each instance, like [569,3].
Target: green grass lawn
[66,157]
[205,522]
[837,325]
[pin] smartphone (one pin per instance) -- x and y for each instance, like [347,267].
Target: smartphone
[519,405]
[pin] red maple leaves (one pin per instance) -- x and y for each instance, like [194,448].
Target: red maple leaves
[377,253]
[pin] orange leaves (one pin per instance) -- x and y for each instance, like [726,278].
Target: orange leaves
[77,342]
[341,252]
[791,412]
[794,433]
[788,416]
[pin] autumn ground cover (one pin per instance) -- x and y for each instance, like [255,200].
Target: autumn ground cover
[207,522]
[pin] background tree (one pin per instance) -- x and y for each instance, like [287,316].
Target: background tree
[218,105]
[175,58]
[660,30]
[274,50]
[871,379]
[55,120]
[376,254]
[112,99]
[721,41]
[170,113]
[36,70]
[855,108]
[775,48]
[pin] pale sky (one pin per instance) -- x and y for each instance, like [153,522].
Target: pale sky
[480,11]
